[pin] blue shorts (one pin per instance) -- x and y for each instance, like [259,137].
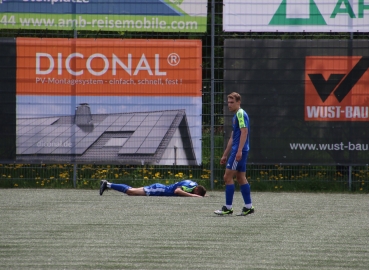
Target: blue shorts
[158,190]
[234,165]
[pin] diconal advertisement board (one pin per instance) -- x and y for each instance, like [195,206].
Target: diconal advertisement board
[108,101]
[308,100]
[295,16]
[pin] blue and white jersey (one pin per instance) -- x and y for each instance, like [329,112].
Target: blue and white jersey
[240,120]
[163,190]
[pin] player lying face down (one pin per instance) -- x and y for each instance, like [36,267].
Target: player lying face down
[187,188]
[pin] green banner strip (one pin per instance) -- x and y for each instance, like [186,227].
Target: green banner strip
[134,23]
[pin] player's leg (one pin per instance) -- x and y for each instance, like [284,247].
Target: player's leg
[104,185]
[136,192]
[244,186]
[229,186]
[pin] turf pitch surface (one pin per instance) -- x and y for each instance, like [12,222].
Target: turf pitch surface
[78,229]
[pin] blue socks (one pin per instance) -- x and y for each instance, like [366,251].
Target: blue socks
[120,187]
[246,194]
[229,192]
[245,191]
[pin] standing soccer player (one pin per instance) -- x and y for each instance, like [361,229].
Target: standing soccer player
[238,148]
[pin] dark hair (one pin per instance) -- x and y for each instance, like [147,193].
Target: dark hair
[201,190]
[234,95]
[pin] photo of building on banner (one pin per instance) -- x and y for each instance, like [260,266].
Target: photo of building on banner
[109,101]
[296,16]
[103,15]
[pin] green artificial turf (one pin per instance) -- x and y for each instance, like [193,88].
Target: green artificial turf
[78,229]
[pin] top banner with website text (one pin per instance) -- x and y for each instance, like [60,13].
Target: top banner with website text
[105,15]
[308,100]
[296,16]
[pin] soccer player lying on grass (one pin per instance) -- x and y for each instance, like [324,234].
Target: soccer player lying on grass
[186,188]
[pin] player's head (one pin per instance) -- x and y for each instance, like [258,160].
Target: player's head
[199,190]
[235,96]
[234,101]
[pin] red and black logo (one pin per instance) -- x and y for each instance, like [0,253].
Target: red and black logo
[337,88]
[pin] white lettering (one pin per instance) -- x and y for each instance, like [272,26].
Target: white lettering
[106,62]
[67,64]
[116,61]
[140,65]
[45,64]
[38,63]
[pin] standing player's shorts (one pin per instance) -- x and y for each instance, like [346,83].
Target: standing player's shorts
[157,190]
[235,165]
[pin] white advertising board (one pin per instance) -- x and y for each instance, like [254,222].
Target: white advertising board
[296,16]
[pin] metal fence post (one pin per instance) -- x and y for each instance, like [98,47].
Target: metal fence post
[212,95]
[350,178]
[73,100]
[74,175]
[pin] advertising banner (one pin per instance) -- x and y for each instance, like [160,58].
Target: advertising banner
[296,16]
[105,15]
[308,100]
[108,101]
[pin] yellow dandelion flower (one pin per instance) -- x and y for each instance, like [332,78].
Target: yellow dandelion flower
[145,178]
[15,185]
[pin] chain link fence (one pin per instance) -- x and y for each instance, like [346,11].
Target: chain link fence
[273,177]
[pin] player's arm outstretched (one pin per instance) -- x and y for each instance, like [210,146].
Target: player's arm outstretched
[180,192]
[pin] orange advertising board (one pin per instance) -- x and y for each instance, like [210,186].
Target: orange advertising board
[108,67]
[335,88]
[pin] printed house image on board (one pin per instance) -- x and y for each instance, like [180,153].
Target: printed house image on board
[155,137]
